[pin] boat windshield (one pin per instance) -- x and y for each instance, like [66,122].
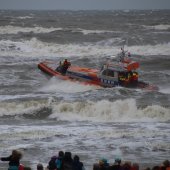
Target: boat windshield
[108,72]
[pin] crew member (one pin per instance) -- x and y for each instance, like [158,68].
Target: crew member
[134,78]
[121,78]
[65,66]
[65,62]
[59,68]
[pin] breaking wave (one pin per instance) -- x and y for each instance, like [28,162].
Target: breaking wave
[56,85]
[36,48]
[158,27]
[118,111]
[100,111]
[16,29]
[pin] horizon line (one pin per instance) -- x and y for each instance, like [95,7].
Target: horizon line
[133,9]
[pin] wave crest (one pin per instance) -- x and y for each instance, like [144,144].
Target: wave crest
[107,111]
[99,111]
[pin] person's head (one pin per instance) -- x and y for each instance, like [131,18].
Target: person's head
[61,154]
[103,162]
[53,157]
[118,161]
[76,158]
[65,60]
[127,165]
[166,163]
[16,154]
[40,167]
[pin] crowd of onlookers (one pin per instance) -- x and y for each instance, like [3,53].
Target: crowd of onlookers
[119,165]
[64,161]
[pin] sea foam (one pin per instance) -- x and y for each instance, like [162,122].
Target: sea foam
[99,111]
[107,111]
[36,48]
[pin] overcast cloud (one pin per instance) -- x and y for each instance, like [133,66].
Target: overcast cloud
[85,4]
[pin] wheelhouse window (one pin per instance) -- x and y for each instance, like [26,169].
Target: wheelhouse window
[108,72]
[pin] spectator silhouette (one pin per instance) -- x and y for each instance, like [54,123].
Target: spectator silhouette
[14,160]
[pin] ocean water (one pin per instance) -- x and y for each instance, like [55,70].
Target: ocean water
[41,115]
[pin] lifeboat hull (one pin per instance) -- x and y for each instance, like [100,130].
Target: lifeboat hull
[74,73]
[89,76]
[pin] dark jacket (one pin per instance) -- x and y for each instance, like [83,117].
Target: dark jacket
[12,161]
[52,164]
[67,161]
[77,165]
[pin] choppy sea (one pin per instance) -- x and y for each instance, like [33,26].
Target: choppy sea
[41,115]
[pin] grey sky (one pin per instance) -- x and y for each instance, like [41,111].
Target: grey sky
[85,4]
